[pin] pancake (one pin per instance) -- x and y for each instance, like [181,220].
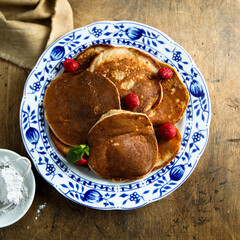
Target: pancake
[132,71]
[74,103]
[174,101]
[123,146]
[84,58]
[61,147]
[167,150]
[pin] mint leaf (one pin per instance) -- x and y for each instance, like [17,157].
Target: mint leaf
[75,154]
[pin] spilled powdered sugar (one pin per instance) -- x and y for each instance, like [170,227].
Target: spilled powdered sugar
[40,208]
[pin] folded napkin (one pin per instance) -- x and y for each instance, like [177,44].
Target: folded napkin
[27,27]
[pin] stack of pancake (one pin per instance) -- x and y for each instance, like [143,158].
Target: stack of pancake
[87,107]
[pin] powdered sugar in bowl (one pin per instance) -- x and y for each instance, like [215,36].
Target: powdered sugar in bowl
[16,198]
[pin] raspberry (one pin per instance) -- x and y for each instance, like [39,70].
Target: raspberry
[167,131]
[81,162]
[165,73]
[70,65]
[131,100]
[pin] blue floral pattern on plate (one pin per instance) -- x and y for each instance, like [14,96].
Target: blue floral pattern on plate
[80,184]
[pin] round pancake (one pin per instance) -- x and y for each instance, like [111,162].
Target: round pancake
[174,101]
[167,150]
[132,71]
[123,146]
[74,103]
[61,147]
[84,58]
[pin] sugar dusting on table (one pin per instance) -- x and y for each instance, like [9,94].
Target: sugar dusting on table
[40,208]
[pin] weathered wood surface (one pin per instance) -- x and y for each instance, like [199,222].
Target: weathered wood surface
[207,205]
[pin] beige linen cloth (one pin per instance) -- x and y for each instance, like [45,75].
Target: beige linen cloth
[27,27]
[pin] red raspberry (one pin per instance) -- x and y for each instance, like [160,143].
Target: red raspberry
[81,162]
[167,131]
[70,65]
[165,73]
[131,100]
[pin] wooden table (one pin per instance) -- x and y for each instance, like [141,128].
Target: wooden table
[207,205]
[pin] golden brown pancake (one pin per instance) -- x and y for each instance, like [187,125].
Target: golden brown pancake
[61,147]
[123,146]
[167,150]
[132,71]
[74,103]
[174,101]
[84,58]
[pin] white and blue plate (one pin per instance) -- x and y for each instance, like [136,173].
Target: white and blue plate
[81,185]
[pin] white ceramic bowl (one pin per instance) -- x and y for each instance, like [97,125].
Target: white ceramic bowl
[13,214]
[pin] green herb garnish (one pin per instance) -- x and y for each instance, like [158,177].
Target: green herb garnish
[75,154]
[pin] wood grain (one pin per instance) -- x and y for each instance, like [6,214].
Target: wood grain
[207,205]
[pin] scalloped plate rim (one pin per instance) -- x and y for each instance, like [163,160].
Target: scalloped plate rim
[169,40]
